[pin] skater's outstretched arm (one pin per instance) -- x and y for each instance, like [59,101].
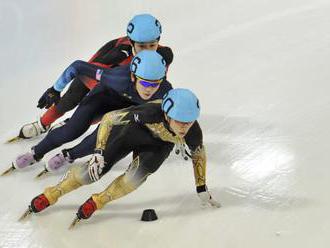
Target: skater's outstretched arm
[77,68]
[194,140]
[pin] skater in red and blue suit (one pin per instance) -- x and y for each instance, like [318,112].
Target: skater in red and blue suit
[143,32]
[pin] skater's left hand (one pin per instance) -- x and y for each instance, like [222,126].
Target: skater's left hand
[96,165]
[50,97]
[206,198]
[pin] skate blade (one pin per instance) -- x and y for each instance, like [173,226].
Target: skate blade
[8,171]
[26,214]
[42,174]
[74,223]
[13,140]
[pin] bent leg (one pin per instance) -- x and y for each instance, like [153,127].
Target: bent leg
[76,177]
[68,101]
[74,128]
[144,164]
[85,147]
[72,97]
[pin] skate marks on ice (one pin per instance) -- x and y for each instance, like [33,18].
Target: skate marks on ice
[184,205]
[252,162]
[249,164]
[166,207]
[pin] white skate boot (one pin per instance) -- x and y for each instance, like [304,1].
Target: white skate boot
[32,130]
[28,131]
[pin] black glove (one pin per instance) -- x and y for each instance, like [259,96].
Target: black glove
[50,97]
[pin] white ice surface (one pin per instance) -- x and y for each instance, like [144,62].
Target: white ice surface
[261,70]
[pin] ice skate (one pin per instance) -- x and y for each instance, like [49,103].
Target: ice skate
[75,221]
[28,131]
[60,160]
[42,173]
[85,211]
[9,170]
[38,204]
[26,214]
[21,162]
[13,140]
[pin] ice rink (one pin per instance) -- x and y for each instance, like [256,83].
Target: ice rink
[261,71]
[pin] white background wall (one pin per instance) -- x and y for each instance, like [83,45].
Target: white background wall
[261,71]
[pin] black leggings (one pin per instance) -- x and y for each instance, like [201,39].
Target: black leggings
[76,92]
[150,152]
[95,105]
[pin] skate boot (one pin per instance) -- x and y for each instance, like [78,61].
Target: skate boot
[32,130]
[25,160]
[38,204]
[28,131]
[85,211]
[21,162]
[60,160]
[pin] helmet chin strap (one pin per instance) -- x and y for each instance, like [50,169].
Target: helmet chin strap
[133,48]
[168,119]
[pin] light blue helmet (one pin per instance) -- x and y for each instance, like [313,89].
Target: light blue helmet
[148,65]
[181,105]
[144,28]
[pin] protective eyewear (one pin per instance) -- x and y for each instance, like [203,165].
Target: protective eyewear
[153,84]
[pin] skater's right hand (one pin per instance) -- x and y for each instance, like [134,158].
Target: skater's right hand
[96,165]
[206,198]
[50,97]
